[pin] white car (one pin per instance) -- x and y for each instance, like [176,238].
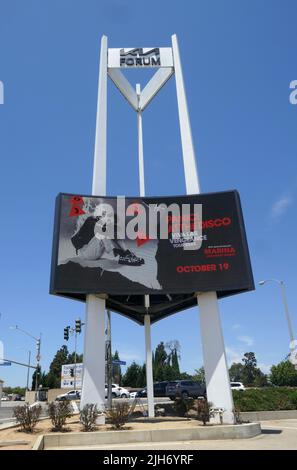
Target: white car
[237,386]
[4,398]
[124,393]
[71,395]
[117,391]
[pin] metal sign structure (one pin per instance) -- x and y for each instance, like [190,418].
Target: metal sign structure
[166,61]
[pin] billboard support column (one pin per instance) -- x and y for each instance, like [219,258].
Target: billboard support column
[147,319]
[149,368]
[93,388]
[216,370]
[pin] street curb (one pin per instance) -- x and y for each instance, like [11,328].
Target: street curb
[256,416]
[16,425]
[39,443]
[240,431]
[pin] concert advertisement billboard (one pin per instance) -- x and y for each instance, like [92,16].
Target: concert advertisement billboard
[168,247]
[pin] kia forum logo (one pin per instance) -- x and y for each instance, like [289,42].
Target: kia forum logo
[140,57]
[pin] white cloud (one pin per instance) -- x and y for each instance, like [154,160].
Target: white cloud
[233,355]
[130,356]
[246,340]
[236,326]
[264,367]
[280,206]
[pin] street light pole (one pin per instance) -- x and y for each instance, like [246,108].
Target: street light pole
[38,357]
[28,372]
[285,303]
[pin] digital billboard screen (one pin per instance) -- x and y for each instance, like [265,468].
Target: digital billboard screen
[168,247]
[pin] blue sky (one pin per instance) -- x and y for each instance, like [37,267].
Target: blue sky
[238,60]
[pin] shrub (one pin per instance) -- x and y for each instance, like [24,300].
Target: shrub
[58,413]
[88,416]
[204,412]
[118,415]
[27,416]
[266,399]
[182,406]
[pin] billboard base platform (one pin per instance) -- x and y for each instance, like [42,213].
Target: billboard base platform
[79,440]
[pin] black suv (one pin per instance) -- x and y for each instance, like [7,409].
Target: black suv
[185,389]
[159,390]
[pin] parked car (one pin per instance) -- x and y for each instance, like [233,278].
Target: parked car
[185,389]
[124,393]
[115,391]
[18,397]
[159,390]
[237,386]
[4,398]
[71,395]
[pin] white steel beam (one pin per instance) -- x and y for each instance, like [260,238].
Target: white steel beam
[191,174]
[154,86]
[93,387]
[124,87]
[216,371]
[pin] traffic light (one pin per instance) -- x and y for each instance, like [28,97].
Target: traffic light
[66,333]
[78,325]
[71,372]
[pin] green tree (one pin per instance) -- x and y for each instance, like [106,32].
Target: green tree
[141,380]
[249,371]
[37,372]
[175,364]
[199,375]
[53,378]
[71,358]
[131,377]
[283,374]
[14,390]
[159,361]
[236,372]
[172,360]
[116,369]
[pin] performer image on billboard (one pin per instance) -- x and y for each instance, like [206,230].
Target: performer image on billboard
[90,242]
[83,242]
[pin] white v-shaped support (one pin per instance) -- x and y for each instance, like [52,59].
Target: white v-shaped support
[124,87]
[155,84]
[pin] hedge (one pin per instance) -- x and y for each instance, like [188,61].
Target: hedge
[266,399]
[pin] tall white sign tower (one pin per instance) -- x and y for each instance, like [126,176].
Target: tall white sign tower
[166,61]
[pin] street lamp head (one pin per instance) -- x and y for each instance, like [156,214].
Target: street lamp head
[14,327]
[261,283]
